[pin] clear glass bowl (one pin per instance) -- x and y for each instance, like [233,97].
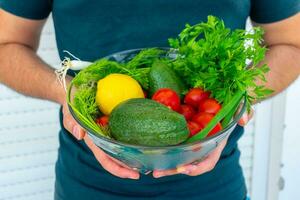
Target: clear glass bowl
[145,158]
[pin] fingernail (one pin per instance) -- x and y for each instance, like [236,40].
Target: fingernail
[76,132]
[244,120]
[180,169]
[133,177]
[158,175]
[187,169]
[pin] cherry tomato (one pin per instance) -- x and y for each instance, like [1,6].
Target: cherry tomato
[195,96]
[187,111]
[203,119]
[145,93]
[168,98]
[209,106]
[215,130]
[103,120]
[194,128]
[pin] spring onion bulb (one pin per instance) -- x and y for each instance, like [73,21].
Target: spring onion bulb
[67,64]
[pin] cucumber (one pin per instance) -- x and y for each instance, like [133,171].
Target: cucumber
[162,76]
[148,123]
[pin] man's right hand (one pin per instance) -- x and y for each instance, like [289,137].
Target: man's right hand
[110,164]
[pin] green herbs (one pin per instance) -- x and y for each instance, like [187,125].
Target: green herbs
[215,58]
[84,107]
[145,58]
[138,68]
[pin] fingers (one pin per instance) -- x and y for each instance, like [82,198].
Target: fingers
[71,125]
[246,118]
[119,162]
[204,166]
[110,164]
[161,173]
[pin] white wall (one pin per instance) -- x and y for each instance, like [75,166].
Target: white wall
[291,145]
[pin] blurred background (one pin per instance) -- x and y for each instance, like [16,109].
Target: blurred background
[29,141]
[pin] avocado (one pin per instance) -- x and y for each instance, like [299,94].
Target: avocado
[148,123]
[163,76]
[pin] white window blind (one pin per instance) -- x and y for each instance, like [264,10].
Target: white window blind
[28,139]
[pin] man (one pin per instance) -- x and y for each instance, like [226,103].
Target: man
[92,29]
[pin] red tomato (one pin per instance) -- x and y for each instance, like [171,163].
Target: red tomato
[103,120]
[203,119]
[145,94]
[168,98]
[209,106]
[195,96]
[216,129]
[194,128]
[187,111]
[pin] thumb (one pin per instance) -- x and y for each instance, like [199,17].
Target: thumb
[71,125]
[247,116]
[78,132]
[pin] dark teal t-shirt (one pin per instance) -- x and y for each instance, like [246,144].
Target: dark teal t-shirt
[96,28]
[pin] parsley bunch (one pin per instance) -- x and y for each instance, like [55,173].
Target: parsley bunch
[221,61]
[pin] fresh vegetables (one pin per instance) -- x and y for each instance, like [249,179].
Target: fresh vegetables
[83,101]
[162,76]
[209,106]
[201,113]
[218,117]
[146,122]
[114,89]
[214,58]
[203,118]
[194,128]
[103,120]
[187,111]
[219,66]
[195,96]
[167,97]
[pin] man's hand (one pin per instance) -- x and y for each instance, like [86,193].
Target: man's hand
[207,164]
[110,164]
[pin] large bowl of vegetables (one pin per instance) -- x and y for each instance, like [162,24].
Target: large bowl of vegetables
[160,108]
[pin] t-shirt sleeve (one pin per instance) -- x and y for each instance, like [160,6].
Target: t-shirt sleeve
[268,11]
[30,9]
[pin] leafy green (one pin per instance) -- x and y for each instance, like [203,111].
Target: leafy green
[213,57]
[145,58]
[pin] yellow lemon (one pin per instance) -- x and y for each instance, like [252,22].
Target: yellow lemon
[114,89]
